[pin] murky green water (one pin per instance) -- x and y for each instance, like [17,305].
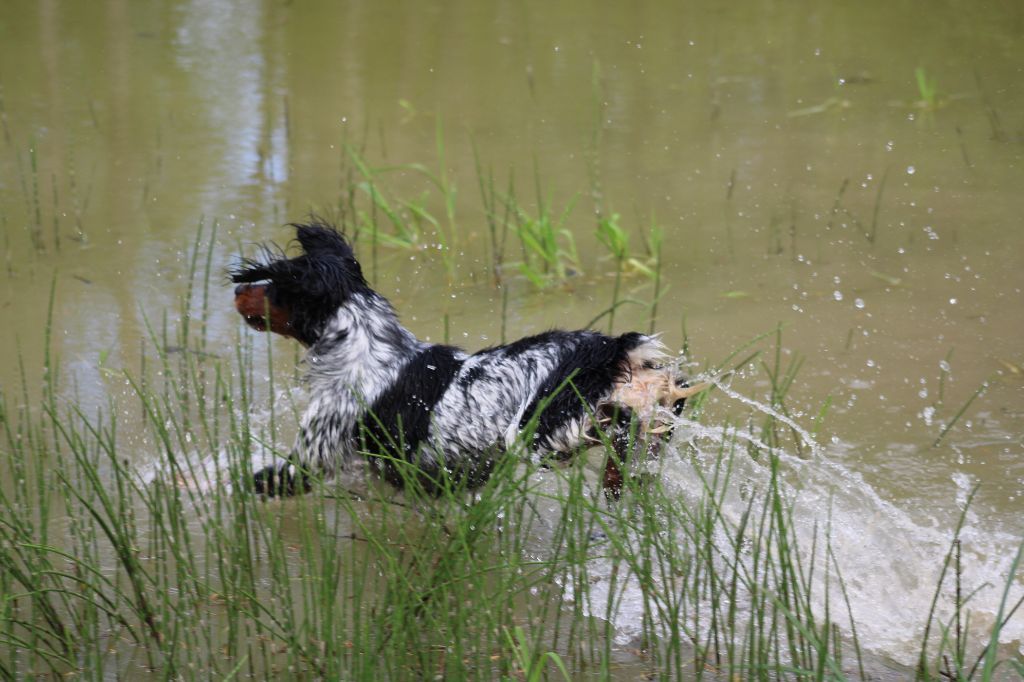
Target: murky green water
[852,173]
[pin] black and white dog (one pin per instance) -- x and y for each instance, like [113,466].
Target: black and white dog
[378,392]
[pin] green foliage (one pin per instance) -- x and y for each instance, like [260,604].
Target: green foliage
[613,237]
[654,240]
[531,664]
[548,248]
[927,89]
[410,220]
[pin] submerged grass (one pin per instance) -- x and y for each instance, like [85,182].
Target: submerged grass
[106,572]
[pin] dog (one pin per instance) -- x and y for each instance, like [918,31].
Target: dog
[376,391]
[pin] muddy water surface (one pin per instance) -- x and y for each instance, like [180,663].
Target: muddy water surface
[851,173]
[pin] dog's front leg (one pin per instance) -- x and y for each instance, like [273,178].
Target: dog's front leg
[320,446]
[282,479]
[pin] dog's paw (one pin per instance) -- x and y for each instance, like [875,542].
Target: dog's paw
[281,480]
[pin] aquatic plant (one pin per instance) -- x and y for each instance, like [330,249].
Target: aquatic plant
[927,89]
[655,237]
[547,246]
[497,209]
[616,241]
[410,219]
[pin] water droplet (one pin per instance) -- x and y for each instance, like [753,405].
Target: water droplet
[911,170]
[927,414]
[858,303]
[838,295]
[952,301]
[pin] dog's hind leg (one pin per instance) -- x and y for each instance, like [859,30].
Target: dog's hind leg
[623,430]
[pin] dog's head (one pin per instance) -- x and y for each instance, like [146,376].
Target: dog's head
[296,297]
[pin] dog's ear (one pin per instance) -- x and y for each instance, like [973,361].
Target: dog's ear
[331,256]
[320,239]
[249,270]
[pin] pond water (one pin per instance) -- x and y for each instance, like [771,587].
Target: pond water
[850,172]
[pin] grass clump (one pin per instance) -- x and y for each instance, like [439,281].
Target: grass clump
[547,246]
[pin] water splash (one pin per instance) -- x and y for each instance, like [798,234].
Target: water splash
[890,554]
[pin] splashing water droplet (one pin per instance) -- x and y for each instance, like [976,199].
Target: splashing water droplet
[928,415]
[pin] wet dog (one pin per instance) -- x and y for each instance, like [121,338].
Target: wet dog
[376,391]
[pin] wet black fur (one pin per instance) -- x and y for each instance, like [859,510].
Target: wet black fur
[398,423]
[593,366]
